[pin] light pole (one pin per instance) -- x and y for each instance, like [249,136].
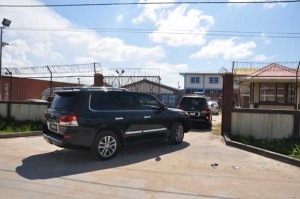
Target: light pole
[5,23]
[119,73]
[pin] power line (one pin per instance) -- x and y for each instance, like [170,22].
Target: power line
[225,33]
[149,3]
[138,29]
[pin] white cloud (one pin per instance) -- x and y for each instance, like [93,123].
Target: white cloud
[63,47]
[86,59]
[120,18]
[152,12]
[227,49]
[263,58]
[265,5]
[193,22]
[274,5]
[260,58]
[18,47]
[116,50]
[170,73]
[265,39]
[19,61]
[177,26]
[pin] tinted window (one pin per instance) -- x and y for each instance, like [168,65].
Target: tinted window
[190,101]
[63,101]
[101,101]
[126,100]
[148,101]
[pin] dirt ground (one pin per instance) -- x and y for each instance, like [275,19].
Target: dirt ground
[201,167]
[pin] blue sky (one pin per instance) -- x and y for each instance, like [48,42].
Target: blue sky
[171,53]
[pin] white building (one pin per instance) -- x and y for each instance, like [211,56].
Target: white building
[210,84]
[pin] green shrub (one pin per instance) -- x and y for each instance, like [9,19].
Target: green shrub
[286,146]
[10,125]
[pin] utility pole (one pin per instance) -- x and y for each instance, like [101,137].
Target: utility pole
[5,23]
[1,31]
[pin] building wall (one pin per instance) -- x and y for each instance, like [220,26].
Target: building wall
[15,88]
[24,110]
[256,92]
[268,125]
[204,83]
[146,87]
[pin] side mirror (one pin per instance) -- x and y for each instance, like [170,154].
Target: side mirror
[163,107]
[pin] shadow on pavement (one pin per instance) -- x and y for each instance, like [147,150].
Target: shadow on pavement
[202,128]
[69,162]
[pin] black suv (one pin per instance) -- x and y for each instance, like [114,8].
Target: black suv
[197,108]
[102,119]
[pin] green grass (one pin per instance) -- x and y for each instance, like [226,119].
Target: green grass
[286,146]
[14,126]
[216,129]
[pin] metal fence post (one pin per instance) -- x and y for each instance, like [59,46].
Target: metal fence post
[227,104]
[51,90]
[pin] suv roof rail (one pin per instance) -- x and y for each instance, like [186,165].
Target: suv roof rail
[103,88]
[92,88]
[193,95]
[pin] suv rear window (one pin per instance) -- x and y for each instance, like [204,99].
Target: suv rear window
[63,101]
[193,101]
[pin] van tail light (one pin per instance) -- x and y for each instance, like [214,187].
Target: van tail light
[70,120]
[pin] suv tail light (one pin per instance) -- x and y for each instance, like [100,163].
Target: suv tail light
[68,120]
[207,111]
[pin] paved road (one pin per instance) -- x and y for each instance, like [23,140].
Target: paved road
[31,168]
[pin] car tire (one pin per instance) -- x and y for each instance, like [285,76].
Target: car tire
[106,145]
[177,134]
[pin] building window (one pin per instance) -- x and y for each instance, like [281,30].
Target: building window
[214,80]
[290,93]
[267,92]
[281,93]
[195,90]
[276,92]
[251,92]
[195,80]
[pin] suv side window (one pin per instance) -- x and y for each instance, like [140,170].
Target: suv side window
[126,101]
[101,101]
[148,102]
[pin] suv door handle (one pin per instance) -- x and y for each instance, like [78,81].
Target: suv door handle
[147,117]
[119,118]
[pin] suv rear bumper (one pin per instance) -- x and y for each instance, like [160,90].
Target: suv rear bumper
[78,140]
[201,119]
[54,140]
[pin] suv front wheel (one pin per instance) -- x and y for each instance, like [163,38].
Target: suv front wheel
[106,145]
[177,133]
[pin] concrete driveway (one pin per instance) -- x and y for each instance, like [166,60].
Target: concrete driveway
[31,168]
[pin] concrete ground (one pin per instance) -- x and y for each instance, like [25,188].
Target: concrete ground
[201,167]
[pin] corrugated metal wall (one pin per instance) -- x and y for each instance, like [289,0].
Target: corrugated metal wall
[16,88]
